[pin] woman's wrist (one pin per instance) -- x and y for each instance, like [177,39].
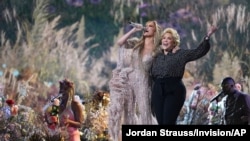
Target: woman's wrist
[207,37]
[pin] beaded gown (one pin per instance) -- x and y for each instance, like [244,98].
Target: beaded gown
[130,89]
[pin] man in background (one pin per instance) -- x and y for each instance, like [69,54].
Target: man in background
[237,110]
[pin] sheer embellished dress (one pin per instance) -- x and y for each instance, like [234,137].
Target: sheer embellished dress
[130,88]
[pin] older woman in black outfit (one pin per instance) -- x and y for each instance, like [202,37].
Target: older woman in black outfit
[168,90]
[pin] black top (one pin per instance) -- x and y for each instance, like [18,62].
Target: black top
[173,64]
[236,109]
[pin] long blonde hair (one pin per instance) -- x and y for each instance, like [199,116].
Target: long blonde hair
[68,88]
[157,38]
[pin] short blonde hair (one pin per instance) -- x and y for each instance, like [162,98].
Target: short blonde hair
[174,33]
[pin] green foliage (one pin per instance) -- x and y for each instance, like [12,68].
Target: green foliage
[36,137]
[12,11]
[91,29]
[57,40]
[232,37]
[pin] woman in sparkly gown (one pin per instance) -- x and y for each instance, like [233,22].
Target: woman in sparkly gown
[130,85]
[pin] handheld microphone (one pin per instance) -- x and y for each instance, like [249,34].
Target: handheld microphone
[59,96]
[137,25]
[220,95]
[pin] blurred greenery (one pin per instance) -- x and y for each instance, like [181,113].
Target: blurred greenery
[102,21]
[45,41]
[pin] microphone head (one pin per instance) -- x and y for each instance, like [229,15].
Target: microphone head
[137,25]
[57,97]
[218,96]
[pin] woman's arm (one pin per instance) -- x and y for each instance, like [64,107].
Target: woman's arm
[124,38]
[78,116]
[202,48]
[72,123]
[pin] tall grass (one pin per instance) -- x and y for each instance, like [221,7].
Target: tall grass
[54,54]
